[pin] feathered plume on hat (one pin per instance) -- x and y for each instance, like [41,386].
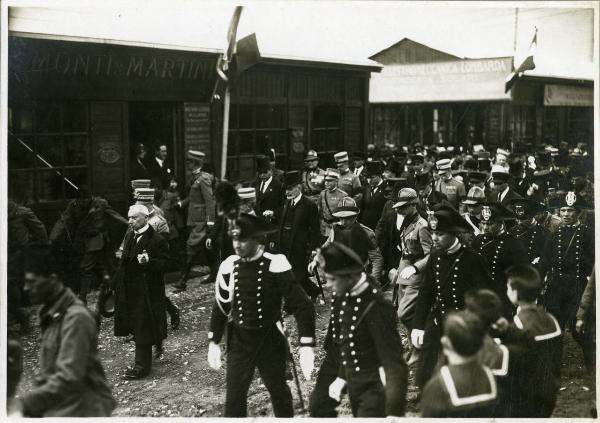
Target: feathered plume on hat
[226,196]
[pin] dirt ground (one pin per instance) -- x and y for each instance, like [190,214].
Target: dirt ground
[182,384]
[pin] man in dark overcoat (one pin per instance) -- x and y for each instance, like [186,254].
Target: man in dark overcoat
[270,193]
[373,199]
[299,231]
[140,292]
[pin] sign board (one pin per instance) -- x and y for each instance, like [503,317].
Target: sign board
[196,127]
[40,68]
[460,80]
[567,95]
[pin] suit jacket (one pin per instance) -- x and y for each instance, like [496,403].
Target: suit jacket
[371,206]
[304,235]
[160,176]
[510,195]
[272,199]
[200,201]
[139,169]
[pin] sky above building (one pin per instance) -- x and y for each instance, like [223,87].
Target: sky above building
[345,30]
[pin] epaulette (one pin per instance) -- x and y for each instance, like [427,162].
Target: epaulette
[279,263]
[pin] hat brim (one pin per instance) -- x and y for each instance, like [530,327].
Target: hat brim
[405,203]
[345,213]
[468,202]
[348,270]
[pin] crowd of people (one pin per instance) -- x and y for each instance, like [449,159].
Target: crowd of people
[467,266]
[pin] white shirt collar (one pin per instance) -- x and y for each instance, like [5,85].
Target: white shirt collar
[296,199]
[142,229]
[159,161]
[266,183]
[503,194]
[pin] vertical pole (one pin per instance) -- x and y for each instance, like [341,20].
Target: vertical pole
[516,30]
[225,132]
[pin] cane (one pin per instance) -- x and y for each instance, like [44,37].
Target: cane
[320,286]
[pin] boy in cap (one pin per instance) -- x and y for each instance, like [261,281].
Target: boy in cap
[71,381]
[250,288]
[532,235]
[372,368]
[298,232]
[372,199]
[452,270]
[348,181]
[328,201]
[568,261]
[312,176]
[449,185]
[463,388]
[499,249]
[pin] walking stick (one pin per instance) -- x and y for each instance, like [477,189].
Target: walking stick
[320,286]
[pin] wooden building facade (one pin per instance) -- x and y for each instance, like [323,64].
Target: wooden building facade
[427,96]
[82,106]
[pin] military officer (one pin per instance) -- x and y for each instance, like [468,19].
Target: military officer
[451,271]
[532,235]
[247,200]
[328,201]
[449,185]
[348,181]
[200,204]
[312,176]
[474,203]
[499,248]
[568,260]
[250,287]
[372,367]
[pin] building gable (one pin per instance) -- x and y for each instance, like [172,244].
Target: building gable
[409,51]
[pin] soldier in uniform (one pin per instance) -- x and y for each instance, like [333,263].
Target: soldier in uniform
[372,199]
[250,287]
[372,368]
[474,203]
[328,201]
[451,271]
[448,185]
[348,181]
[200,204]
[532,235]
[84,223]
[414,243]
[312,176]
[247,200]
[298,233]
[499,248]
[568,261]
[463,388]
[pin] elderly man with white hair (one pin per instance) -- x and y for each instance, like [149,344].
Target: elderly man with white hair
[140,291]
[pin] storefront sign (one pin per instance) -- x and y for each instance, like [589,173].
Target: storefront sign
[196,126]
[566,95]
[98,71]
[462,80]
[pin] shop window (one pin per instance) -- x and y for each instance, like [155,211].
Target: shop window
[44,135]
[327,124]
[551,126]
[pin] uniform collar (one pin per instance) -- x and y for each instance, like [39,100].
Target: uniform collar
[259,253]
[454,247]
[360,286]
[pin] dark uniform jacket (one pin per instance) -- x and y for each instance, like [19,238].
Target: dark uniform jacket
[500,253]
[369,340]
[533,238]
[426,203]
[386,233]
[371,205]
[83,222]
[460,391]
[447,278]
[72,382]
[219,234]
[272,199]
[251,294]
[200,202]
[23,227]
[140,290]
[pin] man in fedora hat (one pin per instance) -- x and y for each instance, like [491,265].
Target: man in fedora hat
[449,185]
[372,368]
[328,201]
[451,271]
[414,244]
[298,233]
[499,248]
[250,288]
[270,192]
[532,235]
[568,260]
[200,204]
[501,193]
[312,176]
[372,199]
[348,181]
[427,195]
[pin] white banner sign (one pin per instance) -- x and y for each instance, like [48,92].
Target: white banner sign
[566,95]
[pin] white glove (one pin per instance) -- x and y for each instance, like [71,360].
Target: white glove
[416,337]
[214,356]
[119,253]
[208,243]
[307,361]
[335,389]
[535,260]
[407,272]
[268,213]
[311,267]
[392,275]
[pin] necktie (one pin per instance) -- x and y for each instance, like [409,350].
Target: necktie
[262,187]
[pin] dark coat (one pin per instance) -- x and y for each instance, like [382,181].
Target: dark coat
[23,227]
[510,195]
[304,236]
[160,176]
[140,290]
[387,236]
[435,197]
[272,199]
[72,381]
[371,206]
[138,169]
